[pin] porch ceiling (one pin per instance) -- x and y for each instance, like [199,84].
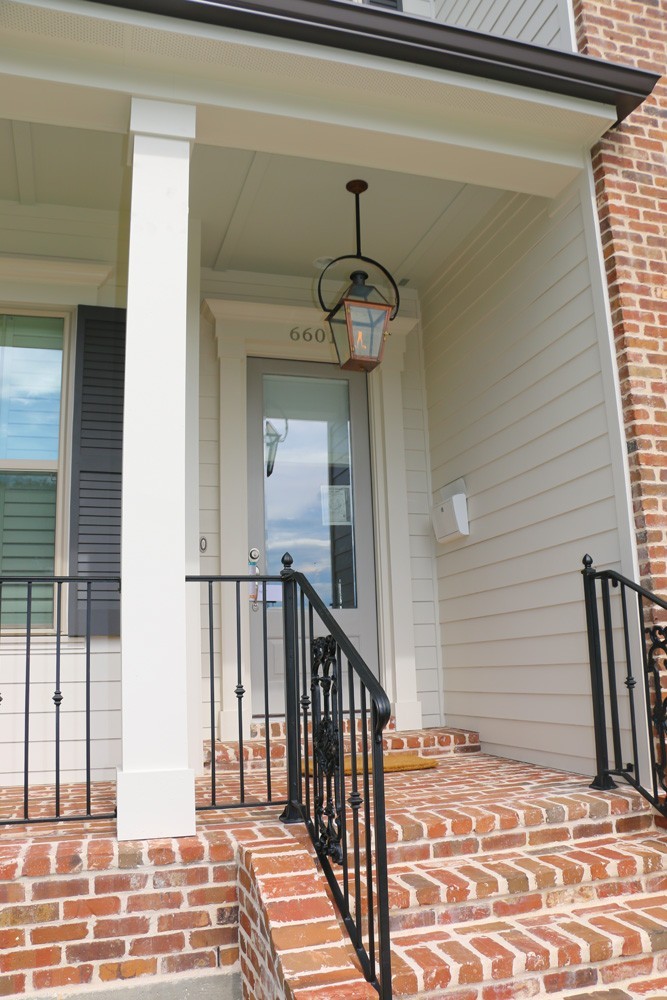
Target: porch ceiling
[79,66]
[259,212]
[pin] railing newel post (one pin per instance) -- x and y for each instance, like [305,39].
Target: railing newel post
[292,813]
[603,780]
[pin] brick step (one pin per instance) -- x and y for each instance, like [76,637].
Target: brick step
[438,743]
[637,987]
[277,727]
[459,890]
[423,834]
[532,955]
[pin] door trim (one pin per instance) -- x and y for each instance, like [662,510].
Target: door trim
[261,329]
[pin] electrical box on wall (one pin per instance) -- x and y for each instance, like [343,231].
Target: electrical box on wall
[449,515]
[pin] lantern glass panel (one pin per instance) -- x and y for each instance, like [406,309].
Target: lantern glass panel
[338,324]
[366,325]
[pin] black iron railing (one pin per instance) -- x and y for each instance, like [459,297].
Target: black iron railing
[627,644]
[241,779]
[36,651]
[343,711]
[335,711]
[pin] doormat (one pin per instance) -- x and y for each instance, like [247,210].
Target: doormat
[392,762]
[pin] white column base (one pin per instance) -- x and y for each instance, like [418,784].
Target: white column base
[228,725]
[408,715]
[155,804]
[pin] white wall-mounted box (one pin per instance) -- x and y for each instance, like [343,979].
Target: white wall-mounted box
[449,515]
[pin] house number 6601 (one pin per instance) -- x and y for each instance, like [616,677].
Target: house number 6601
[319,335]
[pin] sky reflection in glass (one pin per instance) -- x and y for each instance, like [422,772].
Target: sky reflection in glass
[30,379]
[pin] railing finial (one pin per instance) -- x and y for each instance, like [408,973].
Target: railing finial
[588,562]
[287,562]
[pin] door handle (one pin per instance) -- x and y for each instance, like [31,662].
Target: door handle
[253,569]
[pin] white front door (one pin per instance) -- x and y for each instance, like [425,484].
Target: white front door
[309,495]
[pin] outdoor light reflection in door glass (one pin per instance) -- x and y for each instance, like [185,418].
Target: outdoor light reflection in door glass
[307,485]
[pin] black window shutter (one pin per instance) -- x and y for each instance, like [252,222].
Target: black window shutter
[97,442]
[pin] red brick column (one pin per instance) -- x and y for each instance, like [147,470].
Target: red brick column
[630,168]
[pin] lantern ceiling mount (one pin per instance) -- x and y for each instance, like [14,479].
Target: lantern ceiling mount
[359,319]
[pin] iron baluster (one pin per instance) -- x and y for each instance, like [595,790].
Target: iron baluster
[26,721]
[647,694]
[340,782]
[292,812]
[211,689]
[265,664]
[611,674]
[58,695]
[355,800]
[239,691]
[88,621]
[381,878]
[305,702]
[368,830]
[630,681]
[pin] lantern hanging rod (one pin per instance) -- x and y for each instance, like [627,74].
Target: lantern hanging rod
[357,188]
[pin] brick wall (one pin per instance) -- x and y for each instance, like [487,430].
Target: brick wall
[91,910]
[630,168]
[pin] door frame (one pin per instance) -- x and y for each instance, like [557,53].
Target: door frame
[274,330]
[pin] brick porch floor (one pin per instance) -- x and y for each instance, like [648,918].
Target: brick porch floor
[506,881]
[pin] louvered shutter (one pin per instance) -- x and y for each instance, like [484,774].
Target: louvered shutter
[97,442]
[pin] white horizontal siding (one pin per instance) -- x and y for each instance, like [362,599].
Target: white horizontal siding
[424,583]
[541,22]
[105,717]
[516,407]
[209,505]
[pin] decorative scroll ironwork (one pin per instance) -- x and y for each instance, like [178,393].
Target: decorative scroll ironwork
[656,663]
[326,749]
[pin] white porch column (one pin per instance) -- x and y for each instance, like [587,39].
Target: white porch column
[396,629]
[156,785]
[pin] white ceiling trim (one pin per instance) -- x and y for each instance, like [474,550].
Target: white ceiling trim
[54,271]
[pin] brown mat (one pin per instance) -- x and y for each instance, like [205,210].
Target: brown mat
[392,762]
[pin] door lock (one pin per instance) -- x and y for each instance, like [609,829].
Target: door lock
[253,568]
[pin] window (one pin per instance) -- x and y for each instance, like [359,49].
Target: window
[31,370]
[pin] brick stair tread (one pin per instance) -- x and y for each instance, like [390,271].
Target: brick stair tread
[450,890]
[652,988]
[428,960]
[437,823]
[437,742]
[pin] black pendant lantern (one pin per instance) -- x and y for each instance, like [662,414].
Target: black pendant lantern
[360,318]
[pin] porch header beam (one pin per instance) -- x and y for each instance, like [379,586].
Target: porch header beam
[392,35]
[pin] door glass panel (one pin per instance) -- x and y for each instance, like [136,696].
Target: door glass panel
[308,482]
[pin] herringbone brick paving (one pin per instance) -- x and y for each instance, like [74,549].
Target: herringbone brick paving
[506,881]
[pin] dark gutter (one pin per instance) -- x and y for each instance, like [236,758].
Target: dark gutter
[393,35]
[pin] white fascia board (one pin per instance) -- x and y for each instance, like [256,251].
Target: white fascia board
[282,96]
